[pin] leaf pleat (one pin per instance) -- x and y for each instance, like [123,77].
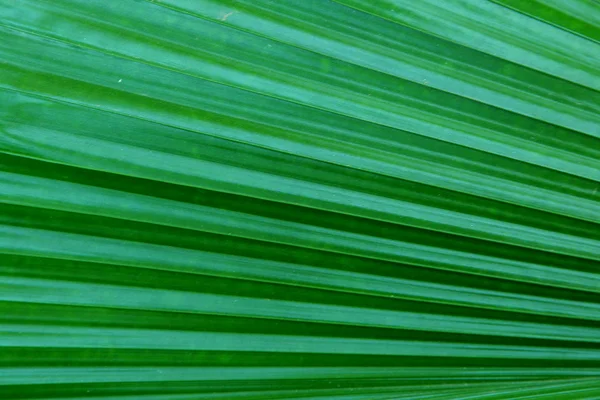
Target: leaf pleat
[317,199]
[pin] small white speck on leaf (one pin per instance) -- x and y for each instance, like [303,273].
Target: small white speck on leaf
[229,14]
[120,80]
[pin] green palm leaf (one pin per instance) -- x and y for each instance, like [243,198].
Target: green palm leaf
[277,199]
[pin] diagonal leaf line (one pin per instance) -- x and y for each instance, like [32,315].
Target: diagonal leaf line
[160,239]
[286,100]
[373,68]
[566,30]
[65,101]
[341,2]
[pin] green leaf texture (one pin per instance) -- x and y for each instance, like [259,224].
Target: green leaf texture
[299,199]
